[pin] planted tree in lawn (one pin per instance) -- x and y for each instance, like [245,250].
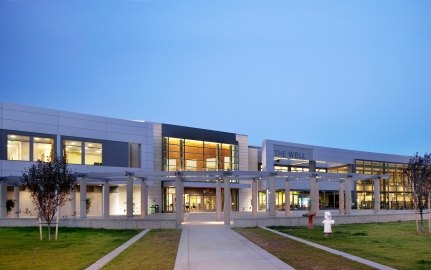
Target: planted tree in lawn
[49,183]
[417,181]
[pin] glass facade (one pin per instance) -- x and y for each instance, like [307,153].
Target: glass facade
[392,193]
[197,199]
[193,155]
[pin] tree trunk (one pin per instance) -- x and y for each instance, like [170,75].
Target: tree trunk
[421,227]
[49,231]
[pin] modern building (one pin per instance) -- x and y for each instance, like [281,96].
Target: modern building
[131,168]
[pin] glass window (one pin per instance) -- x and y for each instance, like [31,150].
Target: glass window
[43,149]
[18,147]
[73,151]
[93,153]
[134,155]
[196,155]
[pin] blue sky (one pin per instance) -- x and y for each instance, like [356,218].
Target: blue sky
[345,74]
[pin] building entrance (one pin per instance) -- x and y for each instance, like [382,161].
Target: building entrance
[201,203]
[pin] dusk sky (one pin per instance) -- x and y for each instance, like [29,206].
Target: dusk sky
[344,74]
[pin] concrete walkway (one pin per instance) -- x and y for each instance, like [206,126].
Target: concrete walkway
[110,256]
[333,251]
[212,245]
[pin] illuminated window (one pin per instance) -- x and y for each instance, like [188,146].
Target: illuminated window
[194,155]
[43,149]
[93,153]
[73,151]
[18,147]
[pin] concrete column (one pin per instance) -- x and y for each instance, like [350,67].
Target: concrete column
[3,194]
[314,195]
[16,200]
[341,204]
[376,196]
[83,198]
[286,198]
[254,198]
[227,202]
[144,199]
[271,185]
[129,200]
[73,203]
[312,166]
[348,198]
[179,207]
[218,200]
[314,188]
[106,200]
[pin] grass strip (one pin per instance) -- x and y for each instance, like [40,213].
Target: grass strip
[76,248]
[296,254]
[395,244]
[156,250]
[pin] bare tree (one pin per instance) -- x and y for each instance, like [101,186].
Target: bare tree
[417,181]
[49,184]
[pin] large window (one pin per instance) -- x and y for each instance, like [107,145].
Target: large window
[18,147]
[29,148]
[43,148]
[93,153]
[193,155]
[79,152]
[73,151]
[392,193]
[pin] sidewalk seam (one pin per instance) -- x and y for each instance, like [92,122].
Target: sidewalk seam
[111,255]
[333,251]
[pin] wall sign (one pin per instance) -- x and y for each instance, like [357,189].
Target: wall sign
[281,151]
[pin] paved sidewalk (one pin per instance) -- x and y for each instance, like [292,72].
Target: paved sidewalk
[334,251]
[218,247]
[110,256]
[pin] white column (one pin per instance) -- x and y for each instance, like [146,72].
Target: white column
[348,198]
[83,198]
[218,200]
[73,203]
[106,199]
[179,207]
[129,200]
[3,194]
[227,200]
[144,199]
[16,200]
[286,198]
[271,196]
[376,196]
[341,198]
[254,198]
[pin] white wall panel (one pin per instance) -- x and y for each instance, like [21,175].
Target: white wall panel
[83,124]
[85,117]
[35,110]
[29,126]
[126,129]
[30,116]
[86,133]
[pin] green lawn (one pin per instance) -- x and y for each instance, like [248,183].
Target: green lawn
[156,250]
[76,248]
[298,255]
[394,244]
